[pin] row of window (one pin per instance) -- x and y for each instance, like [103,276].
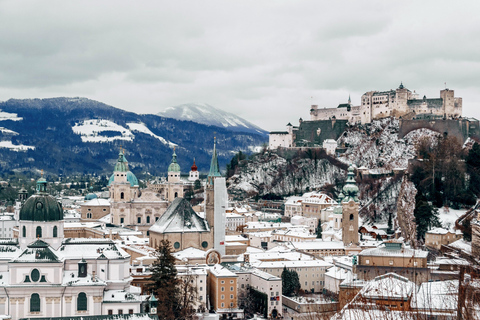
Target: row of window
[38,232]
[139,219]
[81,302]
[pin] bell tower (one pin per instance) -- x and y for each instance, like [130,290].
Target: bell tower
[350,207]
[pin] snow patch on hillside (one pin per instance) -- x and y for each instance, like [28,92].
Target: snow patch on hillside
[90,131]
[8,131]
[14,147]
[9,116]
[206,114]
[141,127]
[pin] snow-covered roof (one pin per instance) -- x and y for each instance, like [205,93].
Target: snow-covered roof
[437,295]
[389,286]
[318,245]
[339,273]
[91,249]
[403,252]
[220,271]
[97,202]
[180,217]
[71,278]
[120,296]
[439,231]
[235,237]
[292,264]
[190,253]
[38,252]
[462,245]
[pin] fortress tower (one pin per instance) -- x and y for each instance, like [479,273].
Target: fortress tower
[350,207]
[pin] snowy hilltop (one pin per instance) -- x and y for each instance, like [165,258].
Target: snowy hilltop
[206,114]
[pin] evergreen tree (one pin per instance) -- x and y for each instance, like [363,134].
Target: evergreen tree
[390,224]
[197,185]
[426,216]
[467,230]
[319,230]
[164,282]
[290,282]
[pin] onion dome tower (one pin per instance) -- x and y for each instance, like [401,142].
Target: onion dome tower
[194,174]
[173,169]
[41,217]
[350,207]
[123,184]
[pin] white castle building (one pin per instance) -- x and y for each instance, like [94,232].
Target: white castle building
[44,275]
[392,103]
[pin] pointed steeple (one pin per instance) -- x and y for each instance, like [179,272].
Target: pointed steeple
[214,167]
[174,166]
[122,163]
[349,100]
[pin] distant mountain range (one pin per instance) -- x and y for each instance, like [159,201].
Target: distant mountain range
[206,114]
[78,135]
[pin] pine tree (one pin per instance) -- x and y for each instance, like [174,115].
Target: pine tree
[426,216]
[319,230]
[290,282]
[164,282]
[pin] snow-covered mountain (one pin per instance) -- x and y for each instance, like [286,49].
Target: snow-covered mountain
[206,114]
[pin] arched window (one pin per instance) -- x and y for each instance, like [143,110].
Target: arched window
[38,232]
[82,302]
[176,194]
[55,232]
[351,217]
[24,231]
[148,219]
[122,196]
[34,302]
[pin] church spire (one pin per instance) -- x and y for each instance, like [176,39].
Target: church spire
[214,167]
[349,100]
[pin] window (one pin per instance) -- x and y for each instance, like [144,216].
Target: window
[148,219]
[35,303]
[24,231]
[222,282]
[130,311]
[121,220]
[222,297]
[35,275]
[122,196]
[82,301]
[223,288]
[139,220]
[156,218]
[55,232]
[38,232]
[120,311]
[367,261]
[390,262]
[223,305]
[231,296]
[231,288]
[176,194]
[110,311]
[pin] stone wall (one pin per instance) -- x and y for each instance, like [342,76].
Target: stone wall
[461,128]
[311,133]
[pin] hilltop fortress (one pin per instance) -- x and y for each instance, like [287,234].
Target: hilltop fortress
[328,124]
[394,103]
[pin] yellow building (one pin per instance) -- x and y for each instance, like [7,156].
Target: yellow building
[222,290]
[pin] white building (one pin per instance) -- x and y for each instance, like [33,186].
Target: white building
[197,274]
[330,146]
[233,221]
[311,273]
[7,223]
[44,275]
[283,139]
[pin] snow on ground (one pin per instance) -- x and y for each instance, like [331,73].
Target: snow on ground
[9,116]
[141,127]
[448,216]
[90,129]
[8,131]
[10,145]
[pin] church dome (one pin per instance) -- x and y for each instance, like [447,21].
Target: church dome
[90,196]
[41,206]
[194,167]
[122,166]
[350,190]
[130,178]
[174,166]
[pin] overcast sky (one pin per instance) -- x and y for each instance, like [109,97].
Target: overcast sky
[266,61]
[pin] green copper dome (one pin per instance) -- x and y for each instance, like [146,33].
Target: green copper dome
[122,166]
[350,190]
[41,206]
[174,167]
[122,163]
[90,196]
